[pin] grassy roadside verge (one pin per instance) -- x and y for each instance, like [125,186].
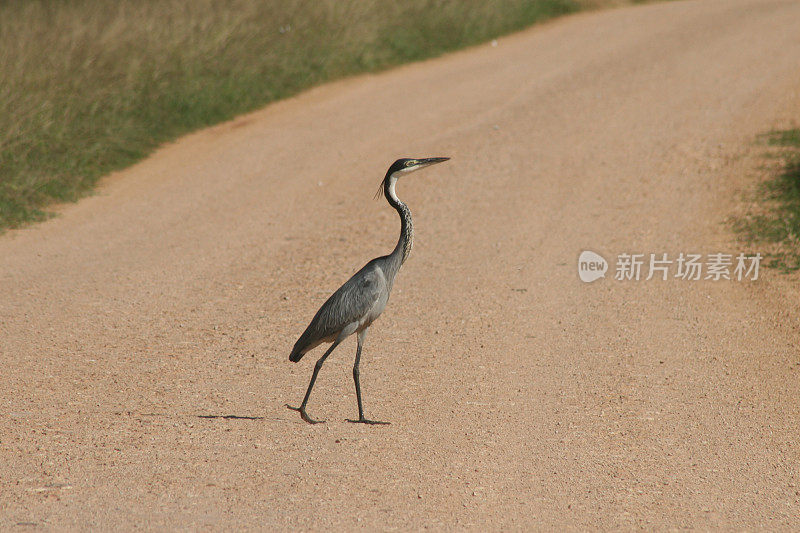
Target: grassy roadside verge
[774,220]
[90,86]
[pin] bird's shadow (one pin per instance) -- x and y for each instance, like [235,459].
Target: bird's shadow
[231,417]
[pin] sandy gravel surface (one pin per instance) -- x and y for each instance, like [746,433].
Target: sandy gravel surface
[519,396]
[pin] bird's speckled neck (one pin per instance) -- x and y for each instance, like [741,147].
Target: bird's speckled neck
[406,240]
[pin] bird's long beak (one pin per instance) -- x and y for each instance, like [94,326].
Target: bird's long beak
[431,161]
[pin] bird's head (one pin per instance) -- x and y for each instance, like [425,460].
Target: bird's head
[404,166]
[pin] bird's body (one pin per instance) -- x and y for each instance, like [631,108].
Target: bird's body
[351,309]
[362,299]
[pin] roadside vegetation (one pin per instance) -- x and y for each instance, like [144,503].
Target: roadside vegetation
[90,86]
[774,221]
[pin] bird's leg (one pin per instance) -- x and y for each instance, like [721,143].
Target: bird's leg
[361,420]
[302,408]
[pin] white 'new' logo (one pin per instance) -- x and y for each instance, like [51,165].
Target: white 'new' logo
[591,266]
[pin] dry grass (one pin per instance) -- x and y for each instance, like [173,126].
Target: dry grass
[89,86]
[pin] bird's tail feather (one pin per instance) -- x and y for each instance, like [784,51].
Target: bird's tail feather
[299,350]
[304,344]
[296,355]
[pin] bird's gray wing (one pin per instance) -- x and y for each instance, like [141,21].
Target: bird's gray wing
[352,301]
[349,304]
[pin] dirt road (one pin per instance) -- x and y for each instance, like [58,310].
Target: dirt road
[519,396]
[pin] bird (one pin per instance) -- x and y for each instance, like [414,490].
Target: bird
[356,304]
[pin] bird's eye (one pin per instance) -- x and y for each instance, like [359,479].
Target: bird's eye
[410,163]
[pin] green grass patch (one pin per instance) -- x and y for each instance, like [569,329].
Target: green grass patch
[91,86]
[775,221]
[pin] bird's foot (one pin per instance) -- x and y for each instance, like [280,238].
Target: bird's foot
[363,420]
[304,415]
